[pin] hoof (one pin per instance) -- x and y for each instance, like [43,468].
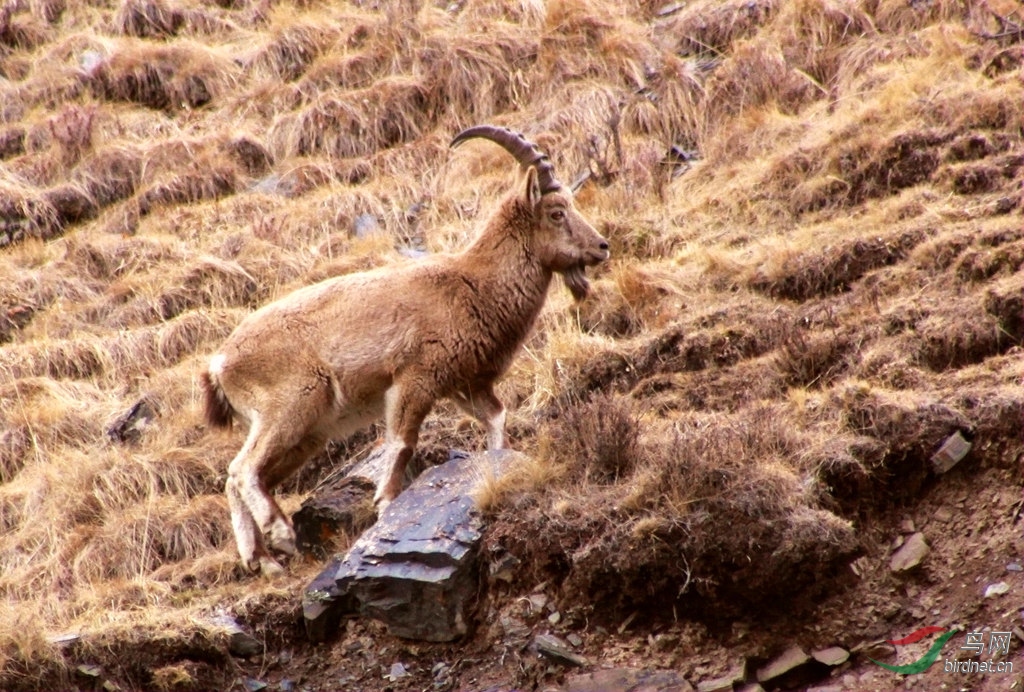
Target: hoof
[270,568]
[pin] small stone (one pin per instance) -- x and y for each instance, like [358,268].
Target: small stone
[736,675]
[723,684]
[398,671]
[791,659]
[110,686]
[240,642]
[950,453]
[1019,633]
[90,670]
[1014,567]
[907,526]
[943,514]
[557,650]
[831,656]
[66,639]
[575,639]
[286,685]
[366,225]
[666,642]
[503,568]
[537,602]
[514,628]
[997,589]
[253,685]
[670,9]
[555,618]
[910,554]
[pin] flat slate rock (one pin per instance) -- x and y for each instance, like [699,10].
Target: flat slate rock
[417,569]
[628,680]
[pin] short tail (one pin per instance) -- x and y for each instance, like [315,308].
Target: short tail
[217,410]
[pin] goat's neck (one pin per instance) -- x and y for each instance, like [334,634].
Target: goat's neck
[506,265]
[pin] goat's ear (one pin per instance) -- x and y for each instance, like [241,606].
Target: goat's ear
[533,193]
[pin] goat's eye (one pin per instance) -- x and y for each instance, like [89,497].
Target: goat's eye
[558,215]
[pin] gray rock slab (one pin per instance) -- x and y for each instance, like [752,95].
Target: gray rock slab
[342,509]
[789,660]
[831,656]
[628,680]
[417,569]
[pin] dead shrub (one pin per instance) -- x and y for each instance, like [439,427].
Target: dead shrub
[672,106]
[963,334]
[25,213]
[603,437]
[909,426]
[706,496]
[899,16]
[479,76]
[903,161]
[12,141]
[212,283]
[814,34]
[754,75]
[110,174]
[1005,302]
[71,204]
[293,47]
[983,263]
[343,71]
[161,77]
[252,155]
[21,30]
[392,111]
[812,359]
[833,270]
[187,187]
[148,19]
[713,27]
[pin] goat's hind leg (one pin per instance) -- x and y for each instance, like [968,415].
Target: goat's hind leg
[248,536]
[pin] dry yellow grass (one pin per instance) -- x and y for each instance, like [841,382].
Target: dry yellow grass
[814,208]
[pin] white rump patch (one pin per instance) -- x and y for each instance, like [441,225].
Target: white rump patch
[217,364]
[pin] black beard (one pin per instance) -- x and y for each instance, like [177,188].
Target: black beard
[576,281]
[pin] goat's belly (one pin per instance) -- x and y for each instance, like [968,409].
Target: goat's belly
[352,419]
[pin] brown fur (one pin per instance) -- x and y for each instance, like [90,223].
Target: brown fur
[330,358]
[216,410]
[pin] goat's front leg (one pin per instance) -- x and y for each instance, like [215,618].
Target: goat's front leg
[406,404]
[487,408]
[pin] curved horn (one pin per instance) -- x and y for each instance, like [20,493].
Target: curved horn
[524,151]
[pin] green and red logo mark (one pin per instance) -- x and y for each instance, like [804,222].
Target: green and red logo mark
[922,664]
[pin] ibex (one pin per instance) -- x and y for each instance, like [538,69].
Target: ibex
[331,358]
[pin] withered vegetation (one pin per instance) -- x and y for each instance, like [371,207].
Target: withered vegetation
[815,215]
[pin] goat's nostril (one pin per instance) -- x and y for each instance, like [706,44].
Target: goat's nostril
[603,245]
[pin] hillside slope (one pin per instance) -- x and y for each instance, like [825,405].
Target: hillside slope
[816,279]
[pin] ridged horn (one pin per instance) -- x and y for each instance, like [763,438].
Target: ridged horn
[524,151]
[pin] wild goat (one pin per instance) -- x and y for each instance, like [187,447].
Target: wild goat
[333,357]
